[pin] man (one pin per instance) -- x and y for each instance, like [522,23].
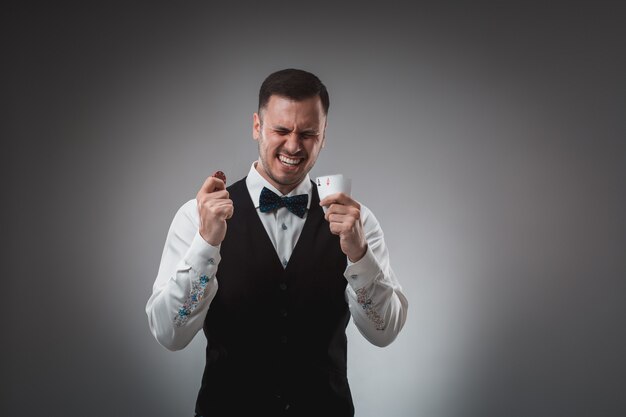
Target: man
[271,280]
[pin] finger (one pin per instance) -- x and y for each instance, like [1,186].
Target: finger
[224,211]
[339,218]
[336,208]
[339,198]
[212,184]
[211,204]
[217,208]
[351,211]
[204,198]
[343,223]
[223,203]
[218,195]
[230,210]
[336,228]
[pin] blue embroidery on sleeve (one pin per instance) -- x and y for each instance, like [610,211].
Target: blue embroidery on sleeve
[196,293]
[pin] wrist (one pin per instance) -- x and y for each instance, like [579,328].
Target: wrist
[208,238]
[359,255]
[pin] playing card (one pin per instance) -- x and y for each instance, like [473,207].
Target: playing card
[331,184]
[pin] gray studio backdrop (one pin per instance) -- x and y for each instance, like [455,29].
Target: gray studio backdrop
[488,141]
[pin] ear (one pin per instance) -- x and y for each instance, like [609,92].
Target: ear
[256,126]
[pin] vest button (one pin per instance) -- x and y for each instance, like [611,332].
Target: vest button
[283,286]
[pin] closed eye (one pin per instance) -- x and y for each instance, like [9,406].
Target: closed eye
[304,135]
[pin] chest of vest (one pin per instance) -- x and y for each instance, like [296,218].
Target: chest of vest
[275,335]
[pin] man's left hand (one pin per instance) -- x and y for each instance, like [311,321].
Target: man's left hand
[344,216]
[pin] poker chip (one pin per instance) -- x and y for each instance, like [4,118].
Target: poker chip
[220,175]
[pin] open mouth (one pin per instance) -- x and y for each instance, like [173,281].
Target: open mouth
[290,162]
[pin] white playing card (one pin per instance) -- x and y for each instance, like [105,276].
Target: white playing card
[331,184]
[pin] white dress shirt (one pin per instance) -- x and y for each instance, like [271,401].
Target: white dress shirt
[188,275]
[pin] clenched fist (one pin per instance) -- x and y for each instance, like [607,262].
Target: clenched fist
[214,208]
[344,218]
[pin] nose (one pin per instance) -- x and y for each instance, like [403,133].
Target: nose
[292,143]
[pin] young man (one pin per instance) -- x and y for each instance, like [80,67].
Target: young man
[270,278]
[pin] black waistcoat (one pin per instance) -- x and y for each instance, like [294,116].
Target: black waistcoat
[276,341]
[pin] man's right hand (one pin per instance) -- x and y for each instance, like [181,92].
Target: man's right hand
[214,208]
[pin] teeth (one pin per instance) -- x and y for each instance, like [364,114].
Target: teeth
[289,161]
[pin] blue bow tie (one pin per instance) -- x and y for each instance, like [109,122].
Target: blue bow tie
[296,204]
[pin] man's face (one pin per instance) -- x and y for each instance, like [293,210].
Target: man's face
[290,135]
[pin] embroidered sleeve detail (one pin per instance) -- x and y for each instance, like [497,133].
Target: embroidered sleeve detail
[196,293]
[366,302]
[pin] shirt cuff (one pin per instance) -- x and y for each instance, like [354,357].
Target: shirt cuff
[201,254]
[362,272]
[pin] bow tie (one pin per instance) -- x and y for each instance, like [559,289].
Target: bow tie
[296,204]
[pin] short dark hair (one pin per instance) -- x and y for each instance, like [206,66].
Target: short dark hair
[294,84]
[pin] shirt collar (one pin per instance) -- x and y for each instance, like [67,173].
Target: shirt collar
[256,182]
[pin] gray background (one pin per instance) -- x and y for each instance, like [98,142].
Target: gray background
[487,138]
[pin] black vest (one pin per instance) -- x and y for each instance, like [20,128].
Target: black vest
[276,341]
